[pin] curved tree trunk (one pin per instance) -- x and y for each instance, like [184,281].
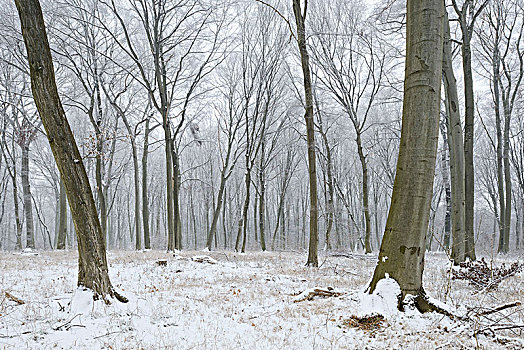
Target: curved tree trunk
[92,263]
[403,246]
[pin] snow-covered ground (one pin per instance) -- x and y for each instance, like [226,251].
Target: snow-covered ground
[243,301]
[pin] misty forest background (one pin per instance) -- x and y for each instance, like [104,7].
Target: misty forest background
[221,81]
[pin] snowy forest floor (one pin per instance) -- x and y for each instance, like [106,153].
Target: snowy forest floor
[243,301]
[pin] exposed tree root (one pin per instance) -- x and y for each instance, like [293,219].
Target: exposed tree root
[424,304]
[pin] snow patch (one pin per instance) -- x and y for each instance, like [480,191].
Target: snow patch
[383,301]
[82,301]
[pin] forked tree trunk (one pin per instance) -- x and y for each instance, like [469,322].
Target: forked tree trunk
[300,18]
[218,206]
[468,12]
[92,263]
[403,246]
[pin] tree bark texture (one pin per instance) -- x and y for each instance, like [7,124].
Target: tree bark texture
[92,271]
[403,245]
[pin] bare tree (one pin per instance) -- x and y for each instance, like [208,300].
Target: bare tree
[300,13]
[503,47]
[467,15]
[92,272]
[352,67]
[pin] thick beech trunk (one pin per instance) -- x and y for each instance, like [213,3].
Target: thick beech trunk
[403,246]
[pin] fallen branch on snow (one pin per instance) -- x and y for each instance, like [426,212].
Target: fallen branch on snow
[67,325]
[499,308]
[203,259]
[13,298]
[309,294]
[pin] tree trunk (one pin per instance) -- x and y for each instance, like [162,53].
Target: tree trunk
[447,189]
[170,185]
[92,270]
[469,128]
[403,245]
[365,193]
[246,208]
[507,175]
[62,218]
[216,211]
[28,206]
[176,201]
[262,197]
[145,194]
[136,178]
[12,175]
[300,19]
[499,147]
[456,153]
[329,183]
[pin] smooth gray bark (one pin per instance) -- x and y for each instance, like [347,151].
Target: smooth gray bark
[403,245]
